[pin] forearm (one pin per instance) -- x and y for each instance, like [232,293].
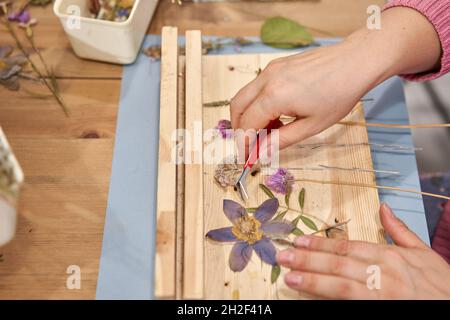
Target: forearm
[406,43]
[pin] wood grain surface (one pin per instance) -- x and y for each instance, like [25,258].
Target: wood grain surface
[193,172]
[167,172]
[323,203]
[67,161]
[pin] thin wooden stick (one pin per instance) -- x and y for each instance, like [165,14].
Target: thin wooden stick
[376,187]
[395,126]
[325,168]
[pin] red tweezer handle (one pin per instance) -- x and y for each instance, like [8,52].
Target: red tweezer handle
[254,154]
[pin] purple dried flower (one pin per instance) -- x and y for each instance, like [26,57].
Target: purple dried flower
[251,233]
[282,181]
[21,17]
[224,128]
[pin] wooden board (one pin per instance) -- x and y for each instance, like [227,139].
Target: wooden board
[165,264]
[206,273]
[193,206]
[325,202]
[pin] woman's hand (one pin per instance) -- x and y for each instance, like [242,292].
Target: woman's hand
[337,269]
[321,86]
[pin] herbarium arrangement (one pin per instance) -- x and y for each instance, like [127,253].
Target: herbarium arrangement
[15,67]
[258,229]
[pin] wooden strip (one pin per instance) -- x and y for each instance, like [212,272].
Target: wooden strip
[193,221]
[166,198]
[180,184]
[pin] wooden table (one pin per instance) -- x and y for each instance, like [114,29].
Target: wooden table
[67,161]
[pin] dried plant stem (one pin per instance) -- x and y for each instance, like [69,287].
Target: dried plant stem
[375,187]
[393,147]
[325,168]
[35,68]
[337,225]
[33,45]
[304,214]
[395,126]
[287,242]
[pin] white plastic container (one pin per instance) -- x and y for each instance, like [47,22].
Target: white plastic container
[8,193]
[115,42]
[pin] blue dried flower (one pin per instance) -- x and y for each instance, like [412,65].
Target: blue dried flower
[251,233]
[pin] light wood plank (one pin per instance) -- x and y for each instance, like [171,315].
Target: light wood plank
[167,185]
[193,221]
[322,201]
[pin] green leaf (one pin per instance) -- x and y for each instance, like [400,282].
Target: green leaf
[298,232]
[296,220]
[301,198]
[284,33]
[281,215]
[251,210]
[276,271]
[267,191]
[309,223]
[286,199]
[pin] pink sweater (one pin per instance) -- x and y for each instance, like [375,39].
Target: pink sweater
[438,13]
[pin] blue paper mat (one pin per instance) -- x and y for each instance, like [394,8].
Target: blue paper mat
[127,260]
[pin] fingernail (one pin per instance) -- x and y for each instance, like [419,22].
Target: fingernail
[388,210]
[302,242]
[285,257]
[293,279]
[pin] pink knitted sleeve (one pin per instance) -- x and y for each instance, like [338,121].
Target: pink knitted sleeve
[438,13]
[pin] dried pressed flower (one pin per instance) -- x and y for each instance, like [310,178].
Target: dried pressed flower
[224,129]
[153,52]
[251,233]
[227,173]
[20,16]
[10,67]
[282,181]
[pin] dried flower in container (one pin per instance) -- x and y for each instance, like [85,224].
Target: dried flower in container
[282,181]
[251,233]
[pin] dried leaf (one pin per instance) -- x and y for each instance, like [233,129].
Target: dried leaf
[276,271]
[241,41]
[39,2]
[222,103]
[286,199]
[281,215]
[54,82]
[36,95]
[284,33]
[11,83]
[296,220]
[297,232]
[309,223]
[267,191]
[153,52]
[251,210]
[301,198]
[336,233]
